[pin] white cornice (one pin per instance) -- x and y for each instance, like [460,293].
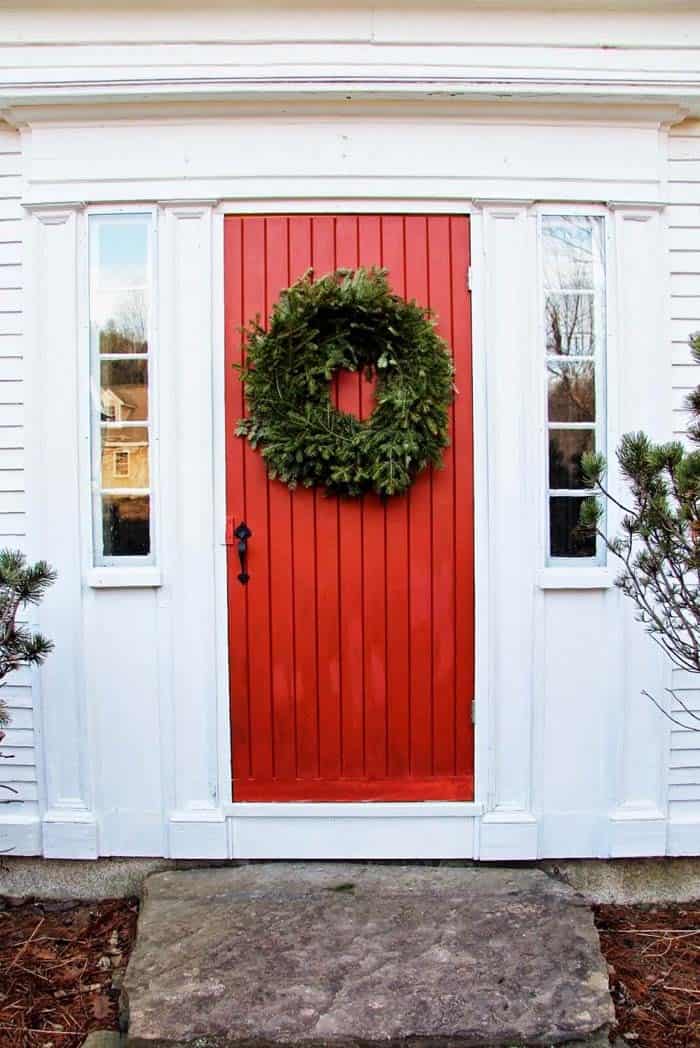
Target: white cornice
[442,96]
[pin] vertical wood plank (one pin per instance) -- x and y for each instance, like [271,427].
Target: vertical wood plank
[373,563]
[258,589]
[351,579]
[463,499]
[398,646]
[420,543]
[443,493]
[235,498]
[284,728]
[304,556]
[327,562]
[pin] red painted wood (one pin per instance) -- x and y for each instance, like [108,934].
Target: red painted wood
[328,578]
[351,575]
[352,647]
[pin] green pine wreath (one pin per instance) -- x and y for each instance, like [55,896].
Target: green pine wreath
[351,320]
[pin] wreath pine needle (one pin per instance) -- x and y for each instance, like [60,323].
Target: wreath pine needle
[347,320]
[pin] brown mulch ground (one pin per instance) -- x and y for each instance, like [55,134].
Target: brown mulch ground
[653,956]
[61,965]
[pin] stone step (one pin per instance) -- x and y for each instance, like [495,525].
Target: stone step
[285,954]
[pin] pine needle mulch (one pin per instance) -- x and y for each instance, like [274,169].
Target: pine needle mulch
[61,965]
[653,956]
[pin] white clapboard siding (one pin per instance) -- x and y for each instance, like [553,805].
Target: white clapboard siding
[684,755]
[684,246]
[20,770]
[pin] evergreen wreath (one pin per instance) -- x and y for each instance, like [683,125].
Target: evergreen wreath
[351,320]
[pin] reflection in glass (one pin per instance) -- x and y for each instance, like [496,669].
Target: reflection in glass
[571,391]
[566,446]
[124,457]
[126,525]
[123,390]
[122,251]
[571,246]
[121,320]
[569,325]
[565,538]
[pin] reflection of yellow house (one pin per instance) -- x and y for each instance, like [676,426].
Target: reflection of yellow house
[124,403]
[124,459]
[124,448]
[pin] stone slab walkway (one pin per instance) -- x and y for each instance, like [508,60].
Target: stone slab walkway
[327,954]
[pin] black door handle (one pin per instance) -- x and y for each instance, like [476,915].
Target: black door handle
[243,533]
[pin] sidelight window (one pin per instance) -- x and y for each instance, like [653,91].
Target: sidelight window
[574,335]
[121,292]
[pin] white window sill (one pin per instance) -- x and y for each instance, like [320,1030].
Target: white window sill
[124,578]
[575,578]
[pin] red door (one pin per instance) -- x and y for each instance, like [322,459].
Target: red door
[352,646]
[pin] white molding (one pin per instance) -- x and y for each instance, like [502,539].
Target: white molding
[667,100]
[219,423]
[639,210]
[408,834]
[483,696]
[597,578]
[354,810]
[124,578]
[53,213]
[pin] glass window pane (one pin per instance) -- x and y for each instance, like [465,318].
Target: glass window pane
[120,321]
[571,247]
[566,446]
[565,538]
[126,525]
[123,390]
[124,457]
[569,325]
[571,391]
[121,255]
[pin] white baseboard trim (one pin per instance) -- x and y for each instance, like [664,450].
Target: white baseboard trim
[684,838]
[637,833]
[20,835]
[71,836]
[505,835]
[198,835]
[347,836]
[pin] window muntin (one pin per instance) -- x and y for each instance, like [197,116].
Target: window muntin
[574,329]
[120,293]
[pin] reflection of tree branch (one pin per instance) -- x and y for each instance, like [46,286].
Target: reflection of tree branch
[571,384]
[127,325]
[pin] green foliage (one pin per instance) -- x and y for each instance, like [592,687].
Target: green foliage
[348,320]
[21,584]
[659,540]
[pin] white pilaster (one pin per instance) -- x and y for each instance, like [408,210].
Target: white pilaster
[642,383]
[53,345]
[505,328]
[196,822]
